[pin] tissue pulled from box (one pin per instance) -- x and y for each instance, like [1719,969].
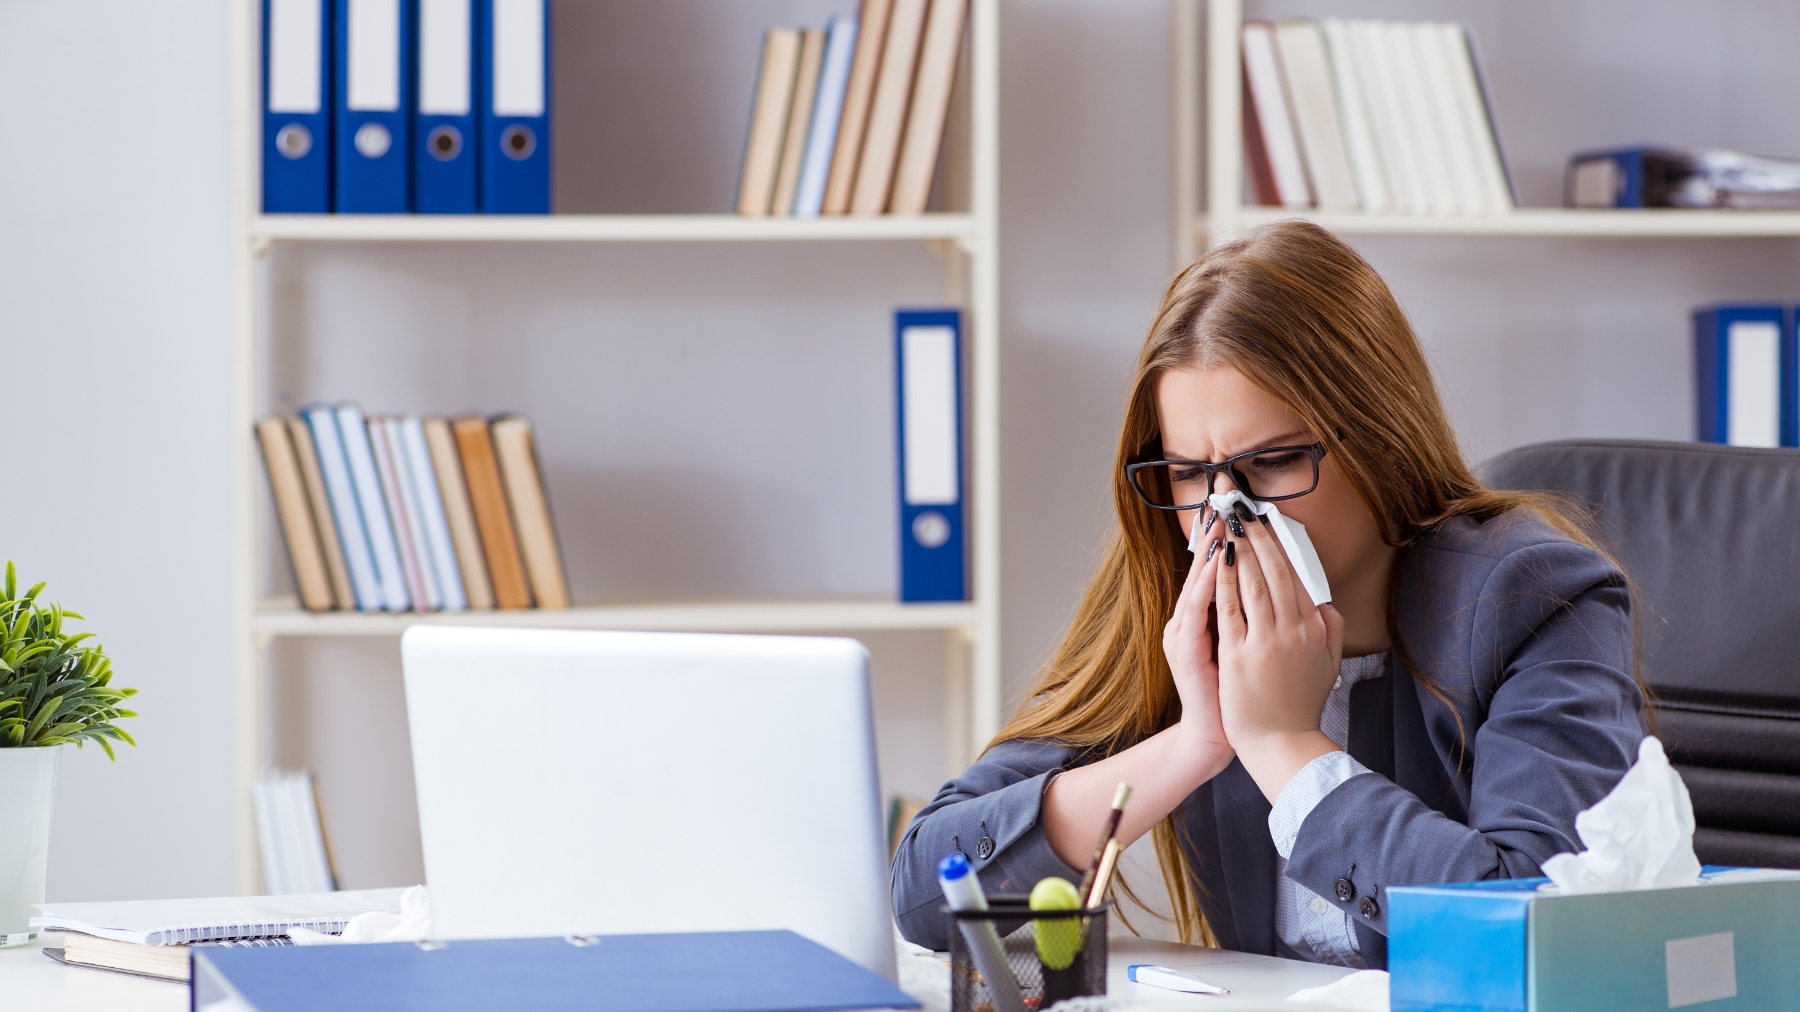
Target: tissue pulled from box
[411,924]
[1640,836]
[1291,533]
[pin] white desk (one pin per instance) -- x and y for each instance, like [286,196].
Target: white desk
[30,981]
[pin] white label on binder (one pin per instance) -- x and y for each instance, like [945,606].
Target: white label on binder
[444,57]
[518,57]
[374,64]
[294,55]
[928,386]
[1753,388]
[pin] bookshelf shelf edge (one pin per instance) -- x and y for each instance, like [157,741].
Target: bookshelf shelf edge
[273,620]
[610,228]
[1542,223]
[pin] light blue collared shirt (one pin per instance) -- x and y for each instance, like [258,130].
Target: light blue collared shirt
[1305,922]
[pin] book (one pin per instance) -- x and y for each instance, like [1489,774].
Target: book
[859,94]
[471,562]
[341,488]
[185,921]
[1306,72]
[1745,387]
[887,110]
[159,962]
[372,505]
[421,478]
[1268,99]
[296,856]
[1395,141]
[724,971]
[828,109]
[1497,176]
[800,110]
[487,499]
[930,106]
[1353,117]
[768,121]
[417,589]
[523,478]
[1455,135]
[1415,114]
[294,510]
[343,596]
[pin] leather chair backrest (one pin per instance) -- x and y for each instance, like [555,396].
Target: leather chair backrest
[1710,535]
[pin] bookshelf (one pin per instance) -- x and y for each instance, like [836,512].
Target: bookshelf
[965,240]
[1208,167]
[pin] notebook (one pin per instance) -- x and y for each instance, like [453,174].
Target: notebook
[177,922]
[735,971]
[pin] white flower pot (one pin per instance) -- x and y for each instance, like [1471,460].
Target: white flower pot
[27,788]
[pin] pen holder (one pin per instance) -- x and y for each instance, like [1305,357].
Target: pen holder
[1070,963]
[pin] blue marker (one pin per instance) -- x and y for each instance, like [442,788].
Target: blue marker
[963,892]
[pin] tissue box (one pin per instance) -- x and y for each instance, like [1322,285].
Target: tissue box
[1504,946]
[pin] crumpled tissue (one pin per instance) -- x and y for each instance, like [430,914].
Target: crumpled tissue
[411,924]
[1641,836]
[1362,991]
[1291,534]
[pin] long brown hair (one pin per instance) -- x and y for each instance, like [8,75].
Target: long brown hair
[1307,320]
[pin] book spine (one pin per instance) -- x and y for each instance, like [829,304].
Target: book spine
[459,513]
[395,495]
[859,93]
[353,535]
[800,109]
[372,507]
[887,112]
[488,498]
[523,477]
[930,105]
[329,543]
[423,480]
[828,110]
[295,513]
[768,121]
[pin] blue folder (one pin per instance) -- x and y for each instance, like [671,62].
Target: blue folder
[374,55]
[297,103]
[928,424]
[515,106]
[444,138]
[1718,330]
[740,971]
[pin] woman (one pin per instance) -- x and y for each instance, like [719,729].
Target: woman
[1467,691]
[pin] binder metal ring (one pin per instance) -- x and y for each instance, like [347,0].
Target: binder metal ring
[518,142]
[444,142]
[931,530]
[373,140]
[293,141]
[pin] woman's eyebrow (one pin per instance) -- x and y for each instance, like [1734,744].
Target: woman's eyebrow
[1285,439]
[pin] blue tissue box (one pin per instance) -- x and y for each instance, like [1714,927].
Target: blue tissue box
[1503,946]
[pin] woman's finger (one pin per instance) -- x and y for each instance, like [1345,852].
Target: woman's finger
[1288,598]
[1253,590]
[1197,589]
[1230,608]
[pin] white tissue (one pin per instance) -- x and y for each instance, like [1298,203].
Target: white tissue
[411,924]
[1641,836]
[1362,991]
[1291,534]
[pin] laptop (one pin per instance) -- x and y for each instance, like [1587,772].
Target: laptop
[576,783]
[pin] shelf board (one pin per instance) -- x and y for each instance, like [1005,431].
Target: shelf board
[269,228]
[281,617]
[1543,222]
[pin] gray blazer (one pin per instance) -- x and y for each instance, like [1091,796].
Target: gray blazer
[1528,638]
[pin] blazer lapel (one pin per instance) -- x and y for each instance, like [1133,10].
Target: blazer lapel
[1246,857]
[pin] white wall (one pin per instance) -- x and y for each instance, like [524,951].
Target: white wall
[113,301]
[113,358]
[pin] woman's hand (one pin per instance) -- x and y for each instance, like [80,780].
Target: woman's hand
[1188,645]
[1278,657]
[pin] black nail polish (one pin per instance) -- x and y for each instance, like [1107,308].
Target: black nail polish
[1236,525]
[1230,554]
[1210,549]
[1244,513]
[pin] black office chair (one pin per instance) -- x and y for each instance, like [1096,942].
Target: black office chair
[1711,536]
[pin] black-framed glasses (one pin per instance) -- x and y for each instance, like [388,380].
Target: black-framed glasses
[1271,475]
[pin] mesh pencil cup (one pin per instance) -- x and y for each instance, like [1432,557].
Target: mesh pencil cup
[1053,954]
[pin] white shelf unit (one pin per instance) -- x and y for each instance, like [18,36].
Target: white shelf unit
[967,241]
[1207,111]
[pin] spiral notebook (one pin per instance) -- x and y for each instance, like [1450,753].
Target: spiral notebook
[179,922]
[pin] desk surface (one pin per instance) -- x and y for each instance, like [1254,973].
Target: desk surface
[30,981]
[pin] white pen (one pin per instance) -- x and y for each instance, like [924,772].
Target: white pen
[1172,980]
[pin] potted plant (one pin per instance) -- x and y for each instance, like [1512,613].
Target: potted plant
[53,691]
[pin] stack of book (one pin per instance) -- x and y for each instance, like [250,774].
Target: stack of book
[290,825]
[1382,117]
[399,513]
[847,119]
